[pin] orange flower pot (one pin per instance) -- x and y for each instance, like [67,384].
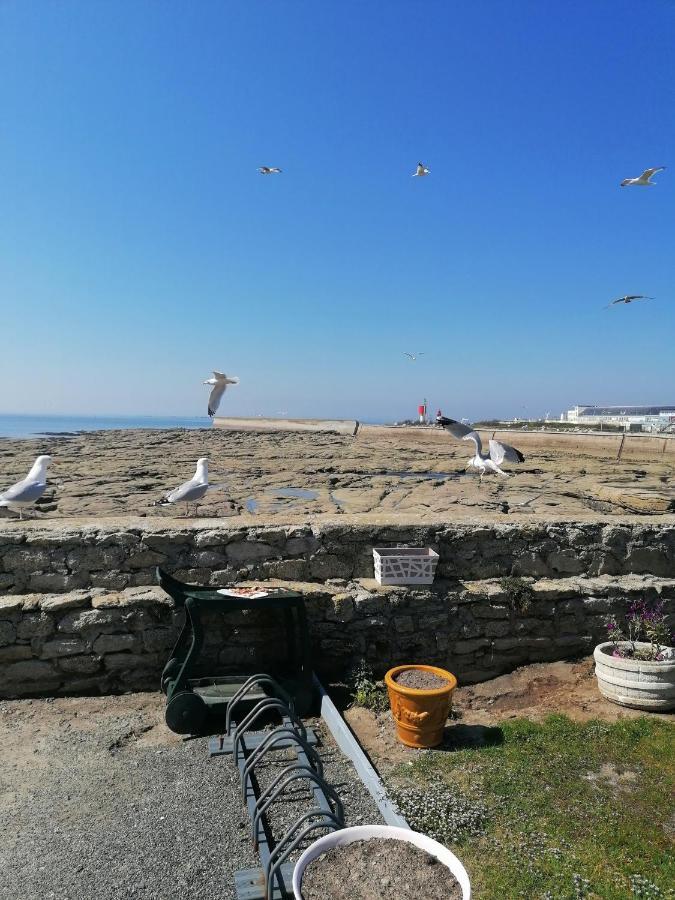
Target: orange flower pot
[420,716]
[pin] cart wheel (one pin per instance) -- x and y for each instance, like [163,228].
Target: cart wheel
[171,669]
[185,713]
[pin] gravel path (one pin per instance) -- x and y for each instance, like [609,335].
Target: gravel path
[99,799]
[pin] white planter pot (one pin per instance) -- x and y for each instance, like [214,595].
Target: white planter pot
[368,832]
[405,565]
[635,682]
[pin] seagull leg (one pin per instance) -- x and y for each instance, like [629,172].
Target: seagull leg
[187,510]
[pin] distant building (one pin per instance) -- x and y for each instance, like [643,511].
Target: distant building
[632,418]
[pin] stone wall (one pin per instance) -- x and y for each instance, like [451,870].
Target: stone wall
[79,612]
[58,558]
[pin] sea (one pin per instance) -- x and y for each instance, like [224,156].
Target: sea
[35,426]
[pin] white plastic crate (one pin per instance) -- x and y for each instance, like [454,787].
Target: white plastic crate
[405,565]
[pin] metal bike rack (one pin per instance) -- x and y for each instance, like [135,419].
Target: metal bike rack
[272,880]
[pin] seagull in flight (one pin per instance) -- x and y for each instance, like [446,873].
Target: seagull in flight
[421,171]
[269,170]
[412,356]
[29,489]
[629,298]
[645,179]
[484,462]
[190,491]
[220,383]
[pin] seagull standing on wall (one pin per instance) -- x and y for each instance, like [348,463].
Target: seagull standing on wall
[29,489]
[220,383]
[421,171]
[644,180]
[192,490]
[499,453]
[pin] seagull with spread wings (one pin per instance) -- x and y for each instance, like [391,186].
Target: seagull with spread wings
[269,170]
[629,298]
[421,171]
[643,180]
[484,462]
[220,383]
[413,356]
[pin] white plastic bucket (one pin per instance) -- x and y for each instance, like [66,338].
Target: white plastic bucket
[367,832]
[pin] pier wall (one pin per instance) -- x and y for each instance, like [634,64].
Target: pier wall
[80,612]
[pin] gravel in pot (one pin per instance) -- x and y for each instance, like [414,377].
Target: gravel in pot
[378,870]
[420,680]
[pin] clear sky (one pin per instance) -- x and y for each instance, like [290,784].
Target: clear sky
[139,248]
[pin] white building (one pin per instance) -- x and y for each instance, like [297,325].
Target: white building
[632,418]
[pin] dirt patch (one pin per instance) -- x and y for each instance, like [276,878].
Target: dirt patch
[531,692]
[420,680]
[378,870]
[621,780]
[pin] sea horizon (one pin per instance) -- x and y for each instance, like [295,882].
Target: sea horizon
[29,425]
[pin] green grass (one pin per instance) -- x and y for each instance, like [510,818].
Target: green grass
[542,827]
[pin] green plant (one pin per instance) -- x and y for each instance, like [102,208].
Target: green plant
[646,621]
[518,591]
[366,691]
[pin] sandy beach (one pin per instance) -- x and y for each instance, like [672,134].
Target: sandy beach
[383,473]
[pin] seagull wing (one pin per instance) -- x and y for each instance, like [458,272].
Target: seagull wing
[408,354]
[500,452]
[188,492]
[475,437]
[23,492]
[216,396]
[457,429]
[649,172]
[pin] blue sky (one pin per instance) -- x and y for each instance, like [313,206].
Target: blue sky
[139,248]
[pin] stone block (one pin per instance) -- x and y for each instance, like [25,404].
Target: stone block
[485,611]
[497,629]
[132,662]
[32,671]
[327,565]
[10,604]
[35,625]
[7,633]
[56,582]
[113,581]
[404,624]
[56,602]
[461,647]
[298,546]
[292,569]
[341,609]
[113,643]
[64,647]
[92,622]
[80,665]
[250,551]
[533,626]
[15,652]
[159,639]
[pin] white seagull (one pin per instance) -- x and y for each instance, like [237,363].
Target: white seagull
[421,171]
[220,383]
[484,462]
[629,298]
[31,488]
[645,179]
[190,491]
[413,356]
[269,170]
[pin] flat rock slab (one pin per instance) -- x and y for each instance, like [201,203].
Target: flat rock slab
[385,474]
